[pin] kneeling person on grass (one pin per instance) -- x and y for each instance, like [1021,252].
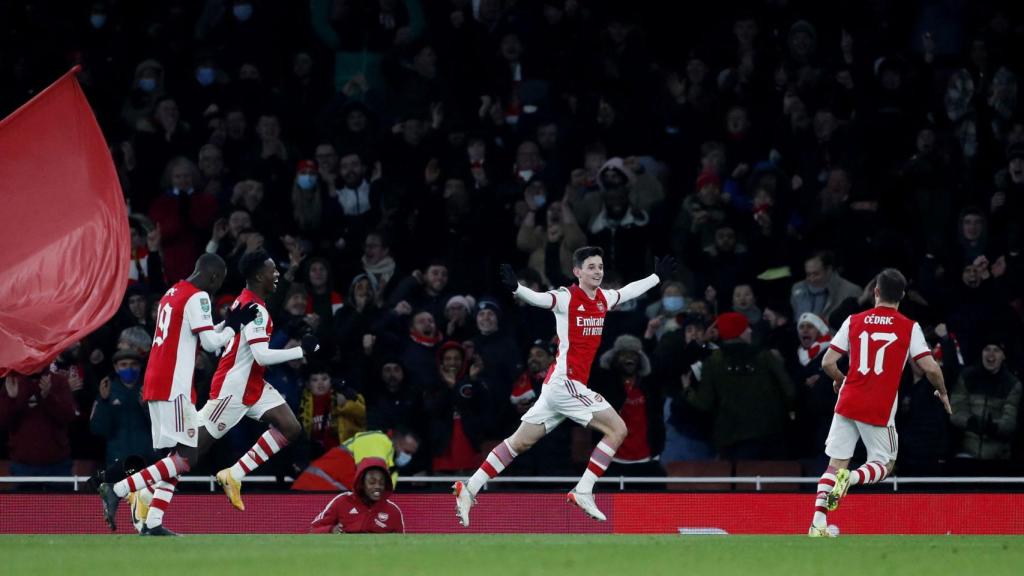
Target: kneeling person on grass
[366,508]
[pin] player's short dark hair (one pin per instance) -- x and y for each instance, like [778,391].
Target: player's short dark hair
[891,285]
[581,254]
[252,263]
[211,263]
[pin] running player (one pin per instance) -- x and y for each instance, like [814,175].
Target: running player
[238,388]
[579,319]
[879,342]
[183,321]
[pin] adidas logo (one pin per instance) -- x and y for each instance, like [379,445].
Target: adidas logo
[353,511]
[581,309]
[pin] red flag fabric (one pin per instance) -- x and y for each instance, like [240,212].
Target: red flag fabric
[64,239]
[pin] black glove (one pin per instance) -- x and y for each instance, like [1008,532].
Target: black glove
[664,267]
[508,277]
[310,345]
[241,316]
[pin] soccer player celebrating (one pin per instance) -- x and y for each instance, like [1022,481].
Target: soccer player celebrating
[184,321]
[238,388]
[879,342]
[579,320]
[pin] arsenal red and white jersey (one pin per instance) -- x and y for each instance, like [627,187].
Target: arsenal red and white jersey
[238,374]
[183,312]
[579,323]
[879,342]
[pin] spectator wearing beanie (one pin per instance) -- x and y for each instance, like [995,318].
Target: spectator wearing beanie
[625,381]
[497,349]
[119,415]
[985,402]
[748,393]
[701,214]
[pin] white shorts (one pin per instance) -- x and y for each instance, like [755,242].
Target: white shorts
[174,422]
[222,414]
[561,399]
[882,442]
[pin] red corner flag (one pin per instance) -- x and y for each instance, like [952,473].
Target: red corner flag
[64,240]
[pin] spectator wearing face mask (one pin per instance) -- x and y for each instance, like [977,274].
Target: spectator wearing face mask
[147,88]
[336,469]
[308,195]
[662,313]
[119,414]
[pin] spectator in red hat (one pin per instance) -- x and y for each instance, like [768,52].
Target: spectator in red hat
[700,216]
[308,195]
[747,392]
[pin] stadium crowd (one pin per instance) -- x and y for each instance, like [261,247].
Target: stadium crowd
[390,154]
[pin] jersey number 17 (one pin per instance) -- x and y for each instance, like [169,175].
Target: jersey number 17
[865,341]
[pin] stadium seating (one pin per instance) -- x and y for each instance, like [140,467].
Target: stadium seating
[699,468]
[769,468]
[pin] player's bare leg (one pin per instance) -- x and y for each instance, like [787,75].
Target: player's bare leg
[284,429]
[465,493]
[611,425]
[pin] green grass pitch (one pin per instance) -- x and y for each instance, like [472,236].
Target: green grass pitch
[492,555]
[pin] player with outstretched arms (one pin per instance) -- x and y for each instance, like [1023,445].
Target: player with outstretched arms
[579,320]
[879,341]
[238,388]
[184,321]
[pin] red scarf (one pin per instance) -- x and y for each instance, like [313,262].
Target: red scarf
[428,341]
[805,355]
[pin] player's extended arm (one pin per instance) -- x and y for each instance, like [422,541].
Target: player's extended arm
[830,365]
[663,269]
[638,288]
[264,356]
[933,372]
[214,340]
[538,299]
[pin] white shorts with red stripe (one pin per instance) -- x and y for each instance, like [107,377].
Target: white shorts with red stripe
[222,414]
[564,398]
[174,422]
[882,442]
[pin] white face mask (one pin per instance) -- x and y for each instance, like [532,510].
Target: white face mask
[402,458]
[525,175]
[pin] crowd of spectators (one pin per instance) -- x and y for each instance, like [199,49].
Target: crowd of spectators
[391,153]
